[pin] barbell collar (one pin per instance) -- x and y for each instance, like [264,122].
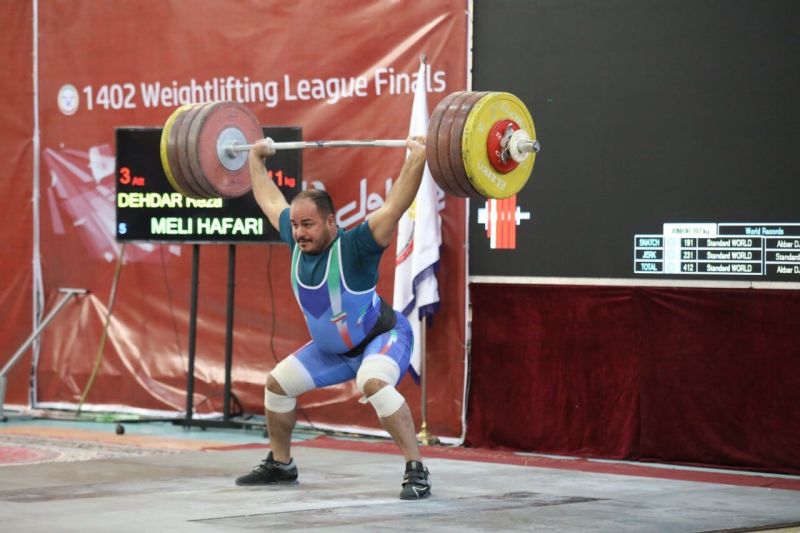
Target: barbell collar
[520,146]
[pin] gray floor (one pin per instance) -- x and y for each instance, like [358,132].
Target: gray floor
[357,491]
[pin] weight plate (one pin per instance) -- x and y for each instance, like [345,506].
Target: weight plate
[443,143]
[164,151]
[456,157]
[497,145]
[196,175]
[204,135]
[431,152]
[193,186]
[169,149]
[484,114]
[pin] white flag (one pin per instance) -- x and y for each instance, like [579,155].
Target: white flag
[419,236]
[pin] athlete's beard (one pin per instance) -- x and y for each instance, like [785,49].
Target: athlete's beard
[317,247]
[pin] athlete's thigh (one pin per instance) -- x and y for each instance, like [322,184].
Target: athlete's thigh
[396,344]
[325,368]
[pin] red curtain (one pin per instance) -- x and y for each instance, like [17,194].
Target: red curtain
[699,376]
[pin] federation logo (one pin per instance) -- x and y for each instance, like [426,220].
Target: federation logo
[68,99]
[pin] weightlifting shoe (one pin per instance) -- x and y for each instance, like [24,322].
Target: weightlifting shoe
[270,472]
[416,482]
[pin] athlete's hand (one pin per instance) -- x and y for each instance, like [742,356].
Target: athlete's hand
[416,146]
[263,148]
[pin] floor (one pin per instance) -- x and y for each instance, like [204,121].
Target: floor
[72,475]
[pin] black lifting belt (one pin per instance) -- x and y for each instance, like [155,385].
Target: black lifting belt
[385,322]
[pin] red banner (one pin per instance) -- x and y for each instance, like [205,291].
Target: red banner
[16,171]
[343,70]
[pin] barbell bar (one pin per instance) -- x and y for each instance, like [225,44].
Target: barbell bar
[479,145]
[232,148]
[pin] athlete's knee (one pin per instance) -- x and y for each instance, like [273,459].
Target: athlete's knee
[372,386]
[375,372]
[376,379]
[274,386]
[288,380]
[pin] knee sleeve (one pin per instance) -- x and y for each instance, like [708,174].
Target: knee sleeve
[278,403]
[387,400]
[294,379]
[377,367]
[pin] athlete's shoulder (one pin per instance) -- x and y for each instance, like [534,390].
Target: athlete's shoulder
[361,238]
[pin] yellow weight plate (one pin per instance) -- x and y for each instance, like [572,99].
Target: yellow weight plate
[456,134]
[165,148]
[485,113]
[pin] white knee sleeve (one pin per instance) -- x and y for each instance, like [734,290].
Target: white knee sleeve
[278,403]
[377,367]
[387,400]
[294,379]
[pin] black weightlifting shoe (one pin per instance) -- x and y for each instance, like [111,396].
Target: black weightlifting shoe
[416,482]
[270,472]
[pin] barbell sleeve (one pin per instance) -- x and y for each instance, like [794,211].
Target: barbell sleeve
[532,146]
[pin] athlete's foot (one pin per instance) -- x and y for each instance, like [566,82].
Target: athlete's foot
[416,482]
[270,472]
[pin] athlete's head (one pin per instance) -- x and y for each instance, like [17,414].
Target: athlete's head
[313,221]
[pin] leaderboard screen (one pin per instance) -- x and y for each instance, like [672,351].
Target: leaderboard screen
[149,209]
[761,250]
[669,140]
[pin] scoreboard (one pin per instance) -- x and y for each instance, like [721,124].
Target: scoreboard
[669,141]
[150,210]
[762,250]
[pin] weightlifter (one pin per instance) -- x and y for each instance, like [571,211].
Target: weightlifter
[354,333]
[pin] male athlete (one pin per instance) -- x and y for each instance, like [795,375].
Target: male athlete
[354,333]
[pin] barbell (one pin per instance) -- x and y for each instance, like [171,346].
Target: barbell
[478,145]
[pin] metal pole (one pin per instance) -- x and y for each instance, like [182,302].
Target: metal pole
[68,293]
[424,377]
[424,436]
[192,335]
[229,331]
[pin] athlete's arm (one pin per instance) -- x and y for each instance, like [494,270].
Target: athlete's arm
[268,196]
[383,221]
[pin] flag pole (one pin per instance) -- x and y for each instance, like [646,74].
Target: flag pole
[418,125]
[424,436]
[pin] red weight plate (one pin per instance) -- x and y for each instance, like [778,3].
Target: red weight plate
[197,175]
[431,153]
[443,144]
[456,156]
[205,132]
[185,156]
[173,148]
